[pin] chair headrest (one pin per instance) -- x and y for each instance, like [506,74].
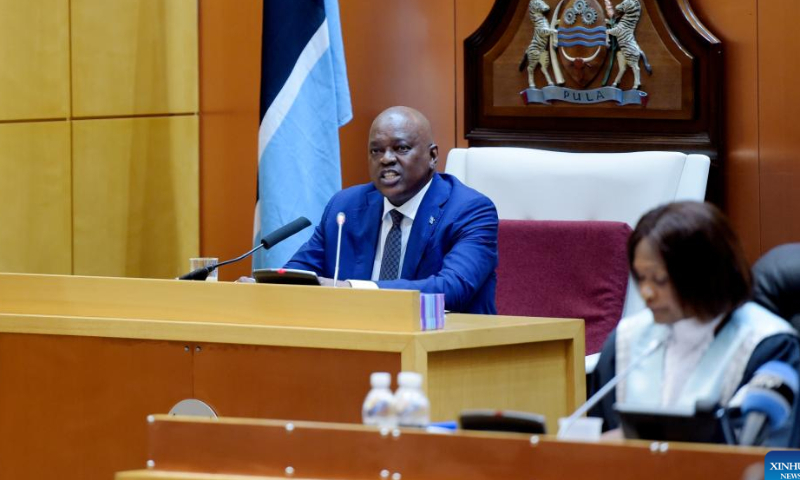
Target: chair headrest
[776,281]
[530,184]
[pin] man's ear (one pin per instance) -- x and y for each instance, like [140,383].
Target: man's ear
[434,153]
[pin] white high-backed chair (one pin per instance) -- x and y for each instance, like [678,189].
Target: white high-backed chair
[530,184]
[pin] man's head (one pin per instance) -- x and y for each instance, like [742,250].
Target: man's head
[402,155]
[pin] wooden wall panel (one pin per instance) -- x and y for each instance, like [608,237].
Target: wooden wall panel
[735,25]
[470,14]
[36,233]
[136,196]
[34,53]
[133,57]
[71,391]
[230,73]
[398,53]
[778,126]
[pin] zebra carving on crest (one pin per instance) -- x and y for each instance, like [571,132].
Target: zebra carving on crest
[537,52]
[629,51]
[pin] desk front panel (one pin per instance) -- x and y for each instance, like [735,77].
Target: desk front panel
[329,451]
[75,407]
[319,384]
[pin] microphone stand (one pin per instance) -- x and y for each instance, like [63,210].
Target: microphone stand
[267,242]
[340,221]
[601,394]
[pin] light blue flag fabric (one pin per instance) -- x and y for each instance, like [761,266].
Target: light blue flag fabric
[305,99]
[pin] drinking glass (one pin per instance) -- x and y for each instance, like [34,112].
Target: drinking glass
[195,263]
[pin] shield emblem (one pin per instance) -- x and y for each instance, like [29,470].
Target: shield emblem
[582,39]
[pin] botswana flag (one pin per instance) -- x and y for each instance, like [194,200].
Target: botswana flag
[304,101]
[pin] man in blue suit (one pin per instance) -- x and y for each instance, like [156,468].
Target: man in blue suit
[411,228]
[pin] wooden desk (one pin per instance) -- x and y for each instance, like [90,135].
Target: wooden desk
[84,360]
[187,449]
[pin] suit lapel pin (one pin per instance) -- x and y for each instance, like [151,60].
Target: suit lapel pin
[431,220]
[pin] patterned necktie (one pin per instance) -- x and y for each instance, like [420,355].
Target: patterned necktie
[390,265]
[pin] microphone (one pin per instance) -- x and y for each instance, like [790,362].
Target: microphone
[340,221]
[767,403]
[654,346]
[266,243]
[284,232]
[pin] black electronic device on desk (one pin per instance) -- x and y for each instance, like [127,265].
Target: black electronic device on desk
[702,425]
[502,421]
[286,276]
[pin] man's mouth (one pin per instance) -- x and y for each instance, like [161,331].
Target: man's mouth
[390,175]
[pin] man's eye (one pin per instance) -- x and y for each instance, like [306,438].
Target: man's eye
[661,281]
[374,151]
[403,149]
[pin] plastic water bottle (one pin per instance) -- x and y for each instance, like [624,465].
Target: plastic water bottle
[413,407]
[378,408]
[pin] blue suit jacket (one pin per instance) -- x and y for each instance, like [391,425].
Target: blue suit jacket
[452,248]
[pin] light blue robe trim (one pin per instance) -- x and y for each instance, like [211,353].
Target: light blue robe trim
[717,374]
[634,335]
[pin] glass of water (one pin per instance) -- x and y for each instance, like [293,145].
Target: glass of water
[198,262]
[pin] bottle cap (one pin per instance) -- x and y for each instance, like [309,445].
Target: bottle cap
[409,379]
[380,380]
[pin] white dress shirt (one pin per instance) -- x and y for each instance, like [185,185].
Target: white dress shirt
[689,341]
[409,211]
